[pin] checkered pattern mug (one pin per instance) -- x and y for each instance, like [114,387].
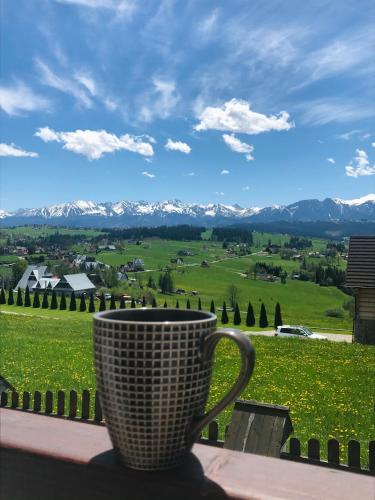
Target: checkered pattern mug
[153,370]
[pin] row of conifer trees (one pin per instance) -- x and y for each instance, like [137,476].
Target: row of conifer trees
[42,301]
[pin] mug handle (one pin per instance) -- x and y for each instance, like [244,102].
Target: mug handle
[248,361]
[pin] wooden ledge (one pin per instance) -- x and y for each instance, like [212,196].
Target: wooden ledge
[44,458]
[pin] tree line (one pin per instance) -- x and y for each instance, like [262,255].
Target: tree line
[79,304]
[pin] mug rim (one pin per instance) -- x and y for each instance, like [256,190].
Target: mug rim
[102,316]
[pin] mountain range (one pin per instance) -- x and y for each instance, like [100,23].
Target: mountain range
[141,213]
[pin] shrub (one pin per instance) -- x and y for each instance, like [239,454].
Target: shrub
[27,302]
[250,318]
[63,302]
[36,301]
[19,297]
[334,313]
[224,315]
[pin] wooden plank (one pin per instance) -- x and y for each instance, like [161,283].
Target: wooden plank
[354,454]
[213,431]
[14,399]
[313,449]
[26,400]
[49,403]
[295,447]
[371,455]
[98,416]
[72,404]
[61,403]
[333,451]
[4,399]
[37,401]
[85,413]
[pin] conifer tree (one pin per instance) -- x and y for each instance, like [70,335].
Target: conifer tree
[102,305]
[144,304]
[132,305]
[45,300]
[10,297]
[263,321]
[53,300]
[212,307]
[278,318]
[177,304]
[73,303]
[188,304]
[154,304]
[165,304]
[122,303]
[82,304]
[224,314]
[237,315]
[19,297]
[199,304]
[112,304]
[63,302]
[27,302]
[36,300]
[250,318]
[2,296]
[92,303]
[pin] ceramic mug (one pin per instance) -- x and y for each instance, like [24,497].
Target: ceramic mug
[153,370]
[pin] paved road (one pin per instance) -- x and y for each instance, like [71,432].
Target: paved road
[335,337]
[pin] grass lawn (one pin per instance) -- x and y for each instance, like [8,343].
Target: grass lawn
[328,386]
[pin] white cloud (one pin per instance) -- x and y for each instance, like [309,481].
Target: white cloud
[246,188]
[13,150]
[224,172]
[236,116]
[220,193]
[147,174]
[66,85]
[361,165]
[20,98]
[94,143]
[333,110]
[190,174]
[373,144]
[208,26]
[177,146]
[119,6]
[331,160]
[160,101]
[238,146]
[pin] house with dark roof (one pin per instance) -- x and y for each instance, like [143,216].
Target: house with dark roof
[360,277]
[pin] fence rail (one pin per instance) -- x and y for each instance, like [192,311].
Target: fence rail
[86,408]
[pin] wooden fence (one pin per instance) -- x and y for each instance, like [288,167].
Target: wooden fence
[86,408]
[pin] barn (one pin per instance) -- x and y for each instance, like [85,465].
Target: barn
[360,277]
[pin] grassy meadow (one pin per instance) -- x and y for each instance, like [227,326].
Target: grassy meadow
[328,386]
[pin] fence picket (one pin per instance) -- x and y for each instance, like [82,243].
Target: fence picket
[14,399]
[354,454]
[25,400]
[226,431]
[49,402]
[85,413]
[61,403]
[98,417]
[213,431]
[294,447]
[72,404]
[4,399]
[371,455]
[37,401]
[333,451]
[313,449]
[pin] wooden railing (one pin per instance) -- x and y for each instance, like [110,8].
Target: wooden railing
[86,408]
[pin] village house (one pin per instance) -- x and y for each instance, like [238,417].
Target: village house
[133,266]
[360,277]
[38,279]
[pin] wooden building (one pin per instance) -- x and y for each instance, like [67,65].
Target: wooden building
[360,278]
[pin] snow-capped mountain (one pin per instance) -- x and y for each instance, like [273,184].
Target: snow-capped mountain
[142,213]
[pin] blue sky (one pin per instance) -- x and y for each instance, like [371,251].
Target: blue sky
[253,103]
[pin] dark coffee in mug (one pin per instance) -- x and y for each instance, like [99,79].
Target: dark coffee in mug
[153,369]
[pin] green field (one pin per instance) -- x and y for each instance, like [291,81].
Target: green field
[328,386]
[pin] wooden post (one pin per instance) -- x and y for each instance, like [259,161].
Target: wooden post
[213,431]
[85,413]
[371,455]
[333,451]
[37,401]
[354,454]
[61,403]
[14,403]
[98,417]
[72,404]
[49,402]
[294,447]
[26,400]
[313,449]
